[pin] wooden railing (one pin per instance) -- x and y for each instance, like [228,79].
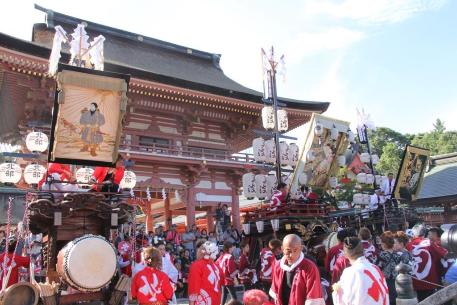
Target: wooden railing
[187,152]
[291,210]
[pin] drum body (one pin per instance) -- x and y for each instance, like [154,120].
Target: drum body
[22,293]
[87,263]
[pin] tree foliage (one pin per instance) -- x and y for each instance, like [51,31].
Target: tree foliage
[439,141]
[390,159]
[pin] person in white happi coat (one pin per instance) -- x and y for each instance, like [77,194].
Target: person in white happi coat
[362,282]
[169,269]
[376,200]
[387,186]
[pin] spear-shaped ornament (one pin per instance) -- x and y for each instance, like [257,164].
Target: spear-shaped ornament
[78,46]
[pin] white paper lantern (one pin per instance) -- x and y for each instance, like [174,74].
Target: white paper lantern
[334,133]
[378,179]
[249,185]
[284,153]
[128,181]
[271,185]
[365,157]
[369,179]
[293,154]
[10,173]
[260,226]
[261,186]
[270,151]
[383,180]
[318,129]
[357,198]
[275,224]
[351,137]
[37,141]
[303,179]
[268,117]
[361,178]
[247,228]
[341,160]
[333,182]
[283,121]
[366,199]
[84,175]
[33,173]
[374,159]
[310,156]
[258,146]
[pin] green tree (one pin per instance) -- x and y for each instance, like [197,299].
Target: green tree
[384,135]
[438,126]
[439,141]
[390,159]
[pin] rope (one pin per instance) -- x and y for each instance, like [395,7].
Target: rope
[8,231]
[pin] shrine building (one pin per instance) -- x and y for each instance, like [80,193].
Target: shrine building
[185,124]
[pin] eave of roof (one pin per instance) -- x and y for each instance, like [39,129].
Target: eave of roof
[229,88]
[439,182]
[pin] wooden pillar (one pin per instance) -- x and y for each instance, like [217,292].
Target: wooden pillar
[190,207]
[236,208]
[168,218]
[210,219]
[149,218]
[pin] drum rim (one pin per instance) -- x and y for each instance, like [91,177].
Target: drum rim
[67,273]
[34,288]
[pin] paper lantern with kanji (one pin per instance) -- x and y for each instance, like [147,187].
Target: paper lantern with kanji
[365,157]
[284,153]
[351,137]
[270,151]
[271,185]
[33,173]
[268,117]
[260,226]
[361,178]
[261,186]
[318,129]
[366,199]
[293,154]
[374,159]
[378,179]
[369,179]
[258,147]
[37,141]
[283,122]
[128,182]
[275,224]
[357,198]
[249,185]
[84,174]
[10,173]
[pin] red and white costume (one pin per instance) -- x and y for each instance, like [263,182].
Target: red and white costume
[151,286]
[205,281]
[19,261]
[363,284]
[267,260]
[427,262]
[341,263]
[332,255]
[125,252]
[228,266]
[306,287]
[100,174]
[246,276]
[278,199]
[370,252]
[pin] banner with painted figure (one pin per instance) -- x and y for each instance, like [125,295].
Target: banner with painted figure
[411,173]
[87,116]
[326,140]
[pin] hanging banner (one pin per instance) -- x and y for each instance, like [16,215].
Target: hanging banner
[87,116]
[318,154]
[411,173]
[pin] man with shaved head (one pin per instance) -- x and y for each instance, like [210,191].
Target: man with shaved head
[296,280]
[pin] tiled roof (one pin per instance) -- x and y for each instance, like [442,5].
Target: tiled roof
[441,180]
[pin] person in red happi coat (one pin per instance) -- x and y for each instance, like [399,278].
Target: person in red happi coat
[7,258]
[247,275]
[267,261]
[230,270]
[369,250]
[205,277]
[150,285]
[296,279]
[108,178]
[427,260]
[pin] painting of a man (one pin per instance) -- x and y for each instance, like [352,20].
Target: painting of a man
[91,120]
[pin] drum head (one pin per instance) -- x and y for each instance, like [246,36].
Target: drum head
[21,294]
[91,263]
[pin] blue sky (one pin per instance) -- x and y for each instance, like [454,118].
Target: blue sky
[394,58]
